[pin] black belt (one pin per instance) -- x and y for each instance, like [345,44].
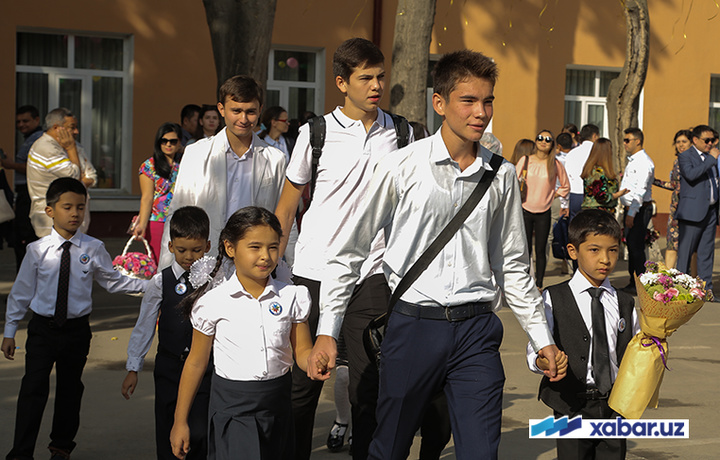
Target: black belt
[452,313]
[592,394]
[69,323]
[162,351]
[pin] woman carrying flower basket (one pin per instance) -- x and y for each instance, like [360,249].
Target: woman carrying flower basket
[600,180]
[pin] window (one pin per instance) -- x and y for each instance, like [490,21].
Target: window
[586,96]
[296,80]
[433,119]
[714,119]
[90,76]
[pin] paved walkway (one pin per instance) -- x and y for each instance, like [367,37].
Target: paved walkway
[113,428]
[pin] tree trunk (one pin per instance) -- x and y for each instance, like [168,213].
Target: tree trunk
[624,92]
[241,33]
[411,49]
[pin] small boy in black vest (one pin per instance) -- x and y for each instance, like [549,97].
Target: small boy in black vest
[189,231]
[592,323]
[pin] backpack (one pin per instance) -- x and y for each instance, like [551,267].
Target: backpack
[317,142]
[560,239]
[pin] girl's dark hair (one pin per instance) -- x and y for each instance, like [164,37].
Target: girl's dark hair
[162,167]
[270,114]
[683,132]
[237,226]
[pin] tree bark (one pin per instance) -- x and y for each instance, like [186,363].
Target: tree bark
[241,34]
[411,49]
[624,92]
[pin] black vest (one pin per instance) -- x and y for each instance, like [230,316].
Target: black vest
[174,331]
[573,338]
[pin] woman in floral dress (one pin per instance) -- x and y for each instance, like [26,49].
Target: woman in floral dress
[682,141]
[600,180]
[157,179]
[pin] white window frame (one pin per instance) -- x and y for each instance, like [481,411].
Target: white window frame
[85,75]
[600,100]
[283,86]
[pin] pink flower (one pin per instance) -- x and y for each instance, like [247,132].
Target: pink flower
[671,293]
[698,293]
[659,297]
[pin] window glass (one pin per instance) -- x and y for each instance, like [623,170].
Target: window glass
[70,95]
[580,82]
[98,53]
[42,49]
[714,121]
[605,79]
[107,99]
[573,112]
[293,66]
[300,101]
[715,89]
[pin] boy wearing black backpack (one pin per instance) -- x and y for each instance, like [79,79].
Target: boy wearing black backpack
[336,161]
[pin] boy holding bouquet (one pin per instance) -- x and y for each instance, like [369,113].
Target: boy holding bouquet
[592,323]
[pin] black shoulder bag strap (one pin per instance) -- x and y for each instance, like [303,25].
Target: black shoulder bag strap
[447,233]
[317,142]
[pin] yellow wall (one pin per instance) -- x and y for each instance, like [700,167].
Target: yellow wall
[533,42]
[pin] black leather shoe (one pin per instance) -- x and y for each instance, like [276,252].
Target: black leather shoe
[336,437]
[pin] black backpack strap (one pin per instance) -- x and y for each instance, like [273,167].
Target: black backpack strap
[402,130]
[317,142]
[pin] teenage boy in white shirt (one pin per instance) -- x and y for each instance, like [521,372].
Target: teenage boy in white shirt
[442,334]
[358,135]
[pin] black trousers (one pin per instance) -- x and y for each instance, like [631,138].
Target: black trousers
[592,449]
[168,370]
[66,348]
[24,232]
[368,301]
[539,223]
[635,237]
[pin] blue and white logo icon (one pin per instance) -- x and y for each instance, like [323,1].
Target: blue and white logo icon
[561,426]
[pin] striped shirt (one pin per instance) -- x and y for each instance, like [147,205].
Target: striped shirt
[47,161]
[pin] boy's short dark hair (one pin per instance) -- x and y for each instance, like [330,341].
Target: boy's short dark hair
[455,67]
[188,111]
[355,53]
[63,185]
[564,140]
[593,222]
[190,222]
[588,131]
[241,88]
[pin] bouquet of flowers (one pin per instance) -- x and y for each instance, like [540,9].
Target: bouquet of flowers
[668,299]
[136,264]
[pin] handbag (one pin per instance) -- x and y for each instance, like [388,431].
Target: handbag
[375,330]
[136,264]
[523,179]
[6,211]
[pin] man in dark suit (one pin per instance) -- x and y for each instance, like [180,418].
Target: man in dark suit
[697,212]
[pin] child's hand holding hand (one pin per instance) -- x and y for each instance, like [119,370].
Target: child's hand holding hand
[129,384]
[321,362]
[8,347]
[561,363]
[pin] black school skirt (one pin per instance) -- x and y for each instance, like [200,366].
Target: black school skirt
[250,419]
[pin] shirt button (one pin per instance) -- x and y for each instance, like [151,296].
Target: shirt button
[455,205]
[449,264]
[262,349]
[264,372]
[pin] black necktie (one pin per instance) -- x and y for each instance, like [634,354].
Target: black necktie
[61,303]
[600,356]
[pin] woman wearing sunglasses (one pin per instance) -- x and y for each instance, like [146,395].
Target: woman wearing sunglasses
[157,179]
[545,178]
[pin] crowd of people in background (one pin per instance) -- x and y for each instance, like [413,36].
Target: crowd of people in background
[313,223]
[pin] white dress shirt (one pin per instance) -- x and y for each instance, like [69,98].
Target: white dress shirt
[579,286]
[239,179]
[280,144]
[574,164]
[36,284]
[349,156]
[252,336]
[413,195]
[638,178]
[143,333]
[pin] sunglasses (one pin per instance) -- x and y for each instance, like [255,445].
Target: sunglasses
[544,138]
[709,140]
[164,141]
[628,139]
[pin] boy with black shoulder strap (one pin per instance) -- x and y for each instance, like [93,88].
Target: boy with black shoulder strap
[337,163]
[592,323]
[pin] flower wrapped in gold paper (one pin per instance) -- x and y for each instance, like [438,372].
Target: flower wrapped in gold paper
[668,299]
